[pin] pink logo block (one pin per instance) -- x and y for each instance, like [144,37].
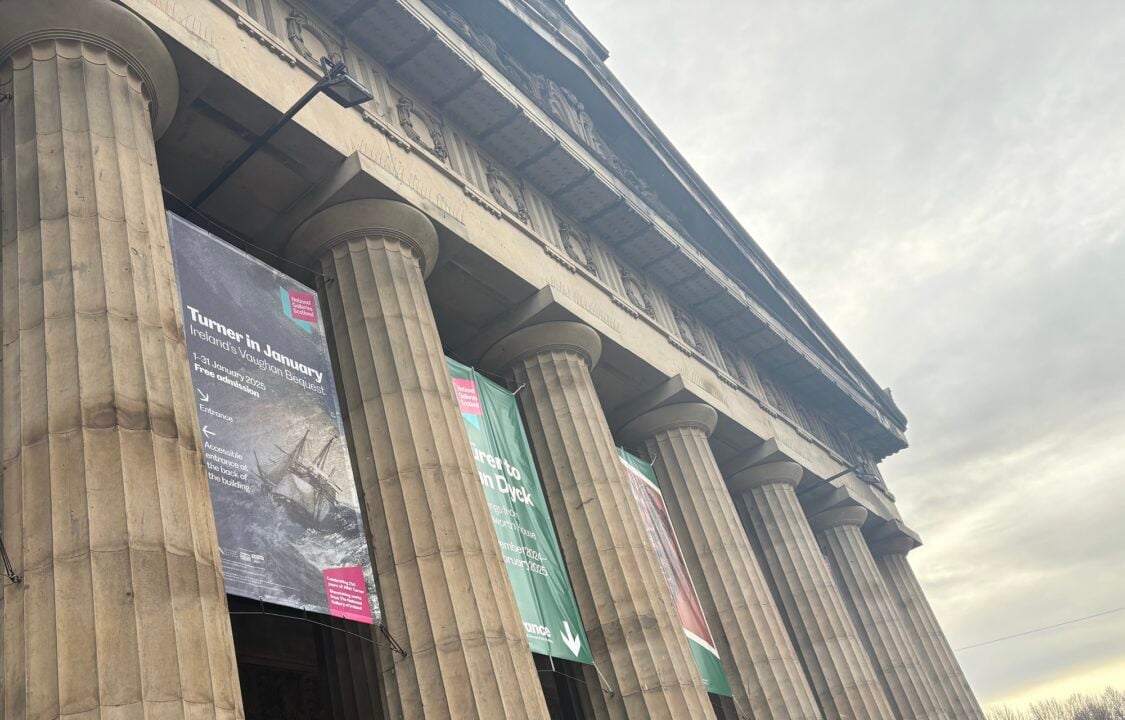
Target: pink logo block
[347,594]
[302,305]
[467,398]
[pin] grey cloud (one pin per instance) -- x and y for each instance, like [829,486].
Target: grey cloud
[943,182]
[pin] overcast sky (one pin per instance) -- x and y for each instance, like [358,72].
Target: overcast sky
[945,183]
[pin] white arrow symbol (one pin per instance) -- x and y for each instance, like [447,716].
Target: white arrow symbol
[208,433]
[572,641]
[203,397]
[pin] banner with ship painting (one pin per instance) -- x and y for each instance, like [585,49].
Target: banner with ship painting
[520,516]
[286,508]
[654,512]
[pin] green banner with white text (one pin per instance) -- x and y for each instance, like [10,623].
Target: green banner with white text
[654,512]
[519,514]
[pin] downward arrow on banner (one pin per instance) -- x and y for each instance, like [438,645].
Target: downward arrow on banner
[572,641]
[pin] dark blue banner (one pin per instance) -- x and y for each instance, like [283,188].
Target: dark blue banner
[286,508]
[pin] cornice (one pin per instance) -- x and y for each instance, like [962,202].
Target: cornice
[885,434]
[832,358]
[628,109]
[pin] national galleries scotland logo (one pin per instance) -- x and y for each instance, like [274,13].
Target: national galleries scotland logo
[300,307]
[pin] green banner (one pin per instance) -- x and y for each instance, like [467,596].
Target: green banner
[520,516]
[658,523]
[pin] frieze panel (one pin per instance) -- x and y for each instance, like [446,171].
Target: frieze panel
[773,396]
[688,331]
[558,101]
[507,192]
[577,246]
[814,422]
[410,116]
[869,473]
[636,291]
[310,39]
[733,366]
[375,82]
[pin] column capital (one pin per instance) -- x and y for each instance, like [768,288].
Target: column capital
[784,472]
[893,538]
[535,339]
[838,517]
[365,218]
[668,417]
[104,24]
[892,546]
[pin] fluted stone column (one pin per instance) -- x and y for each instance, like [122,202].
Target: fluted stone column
[121,612]
[934,652]
[4,224]
[636,638]
[442,583]
[765,673]
[841,673]
[907,685]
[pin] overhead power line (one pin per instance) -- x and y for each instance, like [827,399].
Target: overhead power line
[1041,629]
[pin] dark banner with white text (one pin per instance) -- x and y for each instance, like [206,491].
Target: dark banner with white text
[286,508]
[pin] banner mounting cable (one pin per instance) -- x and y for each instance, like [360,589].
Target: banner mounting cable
[9,571]
[304,617]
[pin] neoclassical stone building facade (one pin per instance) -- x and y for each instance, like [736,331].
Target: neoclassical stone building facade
[502,200]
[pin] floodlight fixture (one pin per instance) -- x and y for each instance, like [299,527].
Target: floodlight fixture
[339,85]
[336,84]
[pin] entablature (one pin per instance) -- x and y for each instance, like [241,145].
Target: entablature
[535,130]
[436,96]
[565,57]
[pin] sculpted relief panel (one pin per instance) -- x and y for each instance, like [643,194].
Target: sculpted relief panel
[559,102]
[507,192]
[577,246]
[410,117]
[637,292]
[688,331]
[733,365]
[309,39]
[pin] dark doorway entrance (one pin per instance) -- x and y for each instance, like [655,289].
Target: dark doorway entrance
[561,681]
[297,666]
